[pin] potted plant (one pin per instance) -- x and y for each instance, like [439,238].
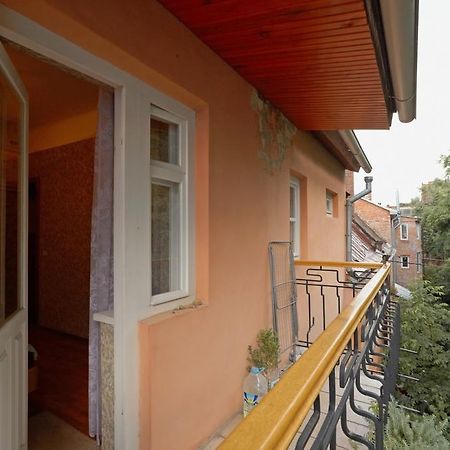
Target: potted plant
[266,355]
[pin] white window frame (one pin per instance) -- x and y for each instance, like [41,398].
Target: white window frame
[407,262]
[161,172]
[404,226]
[418,230]
[294,183]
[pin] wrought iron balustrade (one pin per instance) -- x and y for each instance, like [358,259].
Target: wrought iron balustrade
[347,326]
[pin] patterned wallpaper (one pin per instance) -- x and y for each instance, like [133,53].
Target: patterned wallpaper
[65,182]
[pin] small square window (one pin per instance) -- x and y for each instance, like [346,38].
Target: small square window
[404,260]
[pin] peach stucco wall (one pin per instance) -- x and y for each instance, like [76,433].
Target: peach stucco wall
[193,362]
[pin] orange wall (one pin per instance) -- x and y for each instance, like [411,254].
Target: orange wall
[193,362]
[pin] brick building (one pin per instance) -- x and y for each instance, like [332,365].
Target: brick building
[409,250]
[407,240]
[376,216]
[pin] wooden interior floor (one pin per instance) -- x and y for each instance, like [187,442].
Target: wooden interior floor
[63,376]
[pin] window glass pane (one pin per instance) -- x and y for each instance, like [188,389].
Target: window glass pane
[292,201]
[164,141]
[9,202]
[404,231]
[329,205]
[165,237]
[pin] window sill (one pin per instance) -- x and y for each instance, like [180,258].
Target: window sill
[159,313]
[104,317]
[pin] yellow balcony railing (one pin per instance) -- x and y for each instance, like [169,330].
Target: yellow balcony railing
[357,340]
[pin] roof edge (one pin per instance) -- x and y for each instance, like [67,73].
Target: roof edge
[350,139]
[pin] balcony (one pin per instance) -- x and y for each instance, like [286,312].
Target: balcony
[340,352]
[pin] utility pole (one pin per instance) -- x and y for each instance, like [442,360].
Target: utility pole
[395,223]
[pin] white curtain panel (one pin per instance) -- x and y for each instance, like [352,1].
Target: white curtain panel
[101,282]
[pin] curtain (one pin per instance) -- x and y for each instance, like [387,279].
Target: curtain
[101,281]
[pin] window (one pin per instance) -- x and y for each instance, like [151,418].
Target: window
[419,262]
[294,215]
[418,230]
[169,222]
[331,203]
[404,232]
[404,262]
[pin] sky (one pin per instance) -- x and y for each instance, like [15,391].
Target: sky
[408,154]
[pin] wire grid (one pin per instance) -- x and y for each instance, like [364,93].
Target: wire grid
[284,295]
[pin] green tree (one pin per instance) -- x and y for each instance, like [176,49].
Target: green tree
[434,209]
[426,330]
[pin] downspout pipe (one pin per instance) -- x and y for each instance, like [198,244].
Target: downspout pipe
[349,212]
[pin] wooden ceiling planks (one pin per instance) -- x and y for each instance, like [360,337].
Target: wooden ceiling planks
[314,59]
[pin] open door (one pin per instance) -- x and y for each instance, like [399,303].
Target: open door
[13,256]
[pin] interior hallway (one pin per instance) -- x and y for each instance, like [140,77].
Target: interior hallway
[63,377]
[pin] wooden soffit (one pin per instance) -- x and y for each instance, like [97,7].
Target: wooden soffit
[317,60]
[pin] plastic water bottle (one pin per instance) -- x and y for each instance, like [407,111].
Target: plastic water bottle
[255,388]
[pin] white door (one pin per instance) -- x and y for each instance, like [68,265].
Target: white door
[13,257]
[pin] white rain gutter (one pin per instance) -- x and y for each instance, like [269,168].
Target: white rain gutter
[400,23]
[348,136]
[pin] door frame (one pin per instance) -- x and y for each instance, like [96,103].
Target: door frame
[14,331]
[132,268]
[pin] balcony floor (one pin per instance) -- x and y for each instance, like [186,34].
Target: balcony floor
[356,423]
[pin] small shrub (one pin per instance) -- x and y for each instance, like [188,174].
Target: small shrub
[266,354]
[406,431]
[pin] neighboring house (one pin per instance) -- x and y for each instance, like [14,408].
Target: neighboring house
[406,241]
[409,250]
[367,245]
[206,174]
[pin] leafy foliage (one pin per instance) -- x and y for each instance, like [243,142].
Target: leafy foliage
[266,354]
[413,432]
[434,208]
[426,330]
[439,275]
